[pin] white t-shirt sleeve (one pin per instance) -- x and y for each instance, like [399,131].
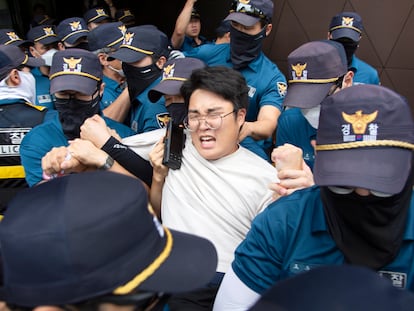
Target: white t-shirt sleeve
[234,295]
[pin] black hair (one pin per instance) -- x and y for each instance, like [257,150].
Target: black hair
[223,81]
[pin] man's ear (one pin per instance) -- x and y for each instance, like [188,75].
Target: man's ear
[241,116]
[14,78]
[102,88]
[348,79]
[161,61]
[268,29]
[33,51]
[103,59]
[61,46]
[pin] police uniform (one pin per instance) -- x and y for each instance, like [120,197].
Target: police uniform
[294,129]
[364,73]
[147,116]
[17,118]
[111,92]
[43,97]
[46,136]
[190,43]
[291,236]
[267,84]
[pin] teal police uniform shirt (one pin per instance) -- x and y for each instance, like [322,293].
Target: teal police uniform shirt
[43,97]
[212,54]
[111,92]
[267,84]
[41,139]
[148,116]
[293,128]
[365,73]
[291,236]
[189,43]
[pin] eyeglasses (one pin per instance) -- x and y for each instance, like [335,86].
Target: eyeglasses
[248,9]
[348,190]
[213,121]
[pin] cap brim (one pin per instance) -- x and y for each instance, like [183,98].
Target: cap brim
[49,40]
[100,19]
[127,55]
[127,19]
[306,95]
[346,33]
[381,169]
[191,264]
[22,43]
[73,82]
[169,87]
[35,62]
[242,18]
[76,36]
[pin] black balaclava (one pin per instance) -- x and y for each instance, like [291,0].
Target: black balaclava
[350,47]
[139,78]
[244,48]
[368,229]
[73,112]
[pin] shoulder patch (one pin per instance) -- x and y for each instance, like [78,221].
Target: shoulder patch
[162,119]
[282,88]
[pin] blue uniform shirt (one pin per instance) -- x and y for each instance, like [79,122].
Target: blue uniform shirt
[291,236]
[293,128]
[365,74]
[41,139]
[212,54]
[43,97]
[267,84]
[111,92]
[189,43]
[146,115]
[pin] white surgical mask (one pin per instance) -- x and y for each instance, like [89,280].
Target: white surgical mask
[118,71]
[25,90]
[312,115]
[48,56]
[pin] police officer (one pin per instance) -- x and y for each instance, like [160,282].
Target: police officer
[18,115]
[346,28]
[251,23]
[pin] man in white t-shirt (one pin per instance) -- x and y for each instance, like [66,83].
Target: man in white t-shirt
[220,186]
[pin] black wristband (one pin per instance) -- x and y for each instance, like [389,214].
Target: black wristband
[128,159]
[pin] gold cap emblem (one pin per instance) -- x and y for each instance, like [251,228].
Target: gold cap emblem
[359,120]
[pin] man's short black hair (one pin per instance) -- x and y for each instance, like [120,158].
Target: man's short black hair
[223,81]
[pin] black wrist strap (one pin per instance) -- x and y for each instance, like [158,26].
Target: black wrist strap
[128,159]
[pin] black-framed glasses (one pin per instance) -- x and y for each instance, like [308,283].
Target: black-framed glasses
[212,120]
[248,9]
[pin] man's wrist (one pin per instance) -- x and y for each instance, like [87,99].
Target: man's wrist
[109,162]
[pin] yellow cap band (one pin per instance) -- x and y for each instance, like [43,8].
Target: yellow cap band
[148,271]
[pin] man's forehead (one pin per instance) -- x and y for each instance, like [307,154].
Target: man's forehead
[205,109]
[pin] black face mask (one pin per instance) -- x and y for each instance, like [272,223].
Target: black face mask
[178,111]
[350,47]
[73,112]
[244,48]
[367,229]
[139,78]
